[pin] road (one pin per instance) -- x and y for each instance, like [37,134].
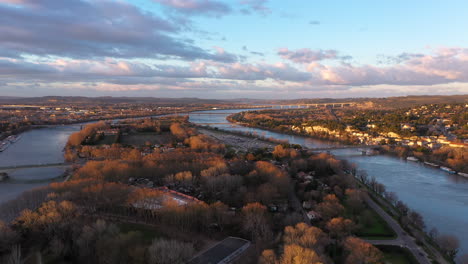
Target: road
[402,240]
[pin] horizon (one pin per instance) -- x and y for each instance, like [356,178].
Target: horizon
[216,49]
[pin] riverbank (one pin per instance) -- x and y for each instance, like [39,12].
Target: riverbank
[231,119]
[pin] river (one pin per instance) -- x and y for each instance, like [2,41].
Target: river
[441,198]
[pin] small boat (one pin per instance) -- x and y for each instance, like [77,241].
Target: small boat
[449,170]
[431,164]
[412,159]
[14,139]
[463,174]
[4,145]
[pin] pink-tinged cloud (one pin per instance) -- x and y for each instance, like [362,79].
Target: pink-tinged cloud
[197,7]
[258,6]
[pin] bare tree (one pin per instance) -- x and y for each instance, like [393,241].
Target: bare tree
[255,221]
[417,220]
[163,251]
[449,243]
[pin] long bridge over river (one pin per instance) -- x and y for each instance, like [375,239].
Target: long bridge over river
[363,147]
[305,105]
[48,165]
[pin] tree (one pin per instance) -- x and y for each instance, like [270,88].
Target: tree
[178,131]
[163,251]
[340,227]
[255,221]
[449,244]
[8,238]
[295,254]
[417,220]
[402,207]
[360,252]
[306,236]
[330,207]
[268,257]
[355,200]
[280,152]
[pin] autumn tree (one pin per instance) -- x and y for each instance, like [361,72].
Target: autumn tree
[306,236]
[178,131]
[268,257]
[295,254]
[340,227]
[360,252]
[330,207]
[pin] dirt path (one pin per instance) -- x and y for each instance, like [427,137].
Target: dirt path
[238,142]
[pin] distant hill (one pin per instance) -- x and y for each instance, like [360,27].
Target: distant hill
[388,102]
[47,100]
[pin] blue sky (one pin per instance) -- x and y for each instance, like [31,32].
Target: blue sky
[238,48]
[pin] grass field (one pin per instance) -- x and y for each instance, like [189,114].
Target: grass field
[142,138]
[108,140]
[375,228]
[397,255]
[148,233]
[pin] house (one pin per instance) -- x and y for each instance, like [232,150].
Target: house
[312,215]
[307,205]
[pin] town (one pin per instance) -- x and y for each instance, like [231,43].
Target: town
[426,133]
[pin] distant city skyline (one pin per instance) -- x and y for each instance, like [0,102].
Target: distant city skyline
[265,49]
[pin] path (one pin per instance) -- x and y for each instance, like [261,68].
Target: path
[402,240]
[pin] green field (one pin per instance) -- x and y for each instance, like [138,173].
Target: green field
[147,232]
[108,140]
[142,138]
[375,228]
[397,255]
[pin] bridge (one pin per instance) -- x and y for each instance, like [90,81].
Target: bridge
[363,147]
[207,124]
[49,165]
[317,105]
[212,113]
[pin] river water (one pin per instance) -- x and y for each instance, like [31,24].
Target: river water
[441,198]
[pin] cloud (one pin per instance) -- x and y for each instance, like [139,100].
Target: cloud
[13,68]
[446,65]
[307,55]
[402,57]
[198,7]
[92,29]
[257,6]
[314,22]
[425,72]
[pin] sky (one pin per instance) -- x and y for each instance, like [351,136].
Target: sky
[270,49]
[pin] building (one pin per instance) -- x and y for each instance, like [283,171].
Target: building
[223,252]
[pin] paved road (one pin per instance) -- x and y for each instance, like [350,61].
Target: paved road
[402,240]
